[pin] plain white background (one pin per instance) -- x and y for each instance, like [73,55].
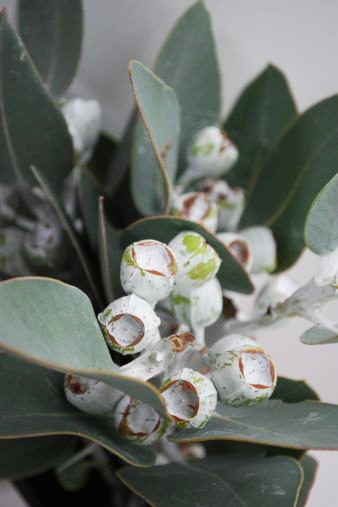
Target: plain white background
[299,36]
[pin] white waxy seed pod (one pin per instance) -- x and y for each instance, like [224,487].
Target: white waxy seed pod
[148,269]
[90,395]
[244,374]
[200,307]
[197,207]
[84,121]
[263,248]
[230,202]
[129,325]
[327,271]
[197,261]
[138,422]
[239,247]
[211,153]
[190,398]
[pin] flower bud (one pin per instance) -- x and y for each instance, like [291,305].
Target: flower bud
[239,247]
[230,202]
[138,422]
[199,307]
[197,261]
[211,153]
[84,119]
[263,248]
[90,395]
[129,325]
[190,398]
[148,269]
[241,371]
[197,207]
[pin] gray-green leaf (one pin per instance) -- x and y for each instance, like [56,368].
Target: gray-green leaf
[258,117]
[52,34]
[321,227]
[231,480]
[32,129]
[319,335]
[41,408]
[299,165]
[53,324]
[154,167]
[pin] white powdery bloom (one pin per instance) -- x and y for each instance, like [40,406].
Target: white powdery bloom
[138,422]
[199,307]
[211,153]
[197,261]
[190,398]
[276,291]
[148,269]
[197,207]
[90,395]
[129,325]
[241,371]
[84,120]
[239,247]
[263,248]
[327,271]
[230,203]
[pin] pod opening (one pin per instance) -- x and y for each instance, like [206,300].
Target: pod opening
[257,369]
[154,257]
[181,399]
[125,330]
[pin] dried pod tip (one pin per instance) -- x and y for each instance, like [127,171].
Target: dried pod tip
[138,422]
[239,247]
[197,261]
[90,395]
[129,325]
[148,269]
[190,398]
[197,207]
[179,342]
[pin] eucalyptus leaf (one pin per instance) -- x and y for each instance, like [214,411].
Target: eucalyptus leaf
[319,335]
[53,324]
[52,34]
[231,480]
[88,194]
[163,228]
[152,177]
[105,151]
[71,233]
[257,119]
[41,408]
[300,164]
[32,129]
[293,391]
[104,248]
[21,458]
[305,425]
[309,466]
[321,227]
[188,63]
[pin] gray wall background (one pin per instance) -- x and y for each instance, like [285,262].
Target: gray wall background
[299,36]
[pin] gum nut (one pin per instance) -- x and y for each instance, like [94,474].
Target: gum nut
[129,325]
[211,153]
[84,121]
[148,269]
[232,342]
[200,307]
[327,271]
[90,395]
[239,247]
[197,207]
[190,398]
[243,376]
[263,248]
[138,422]
[230,202]
[197,261]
